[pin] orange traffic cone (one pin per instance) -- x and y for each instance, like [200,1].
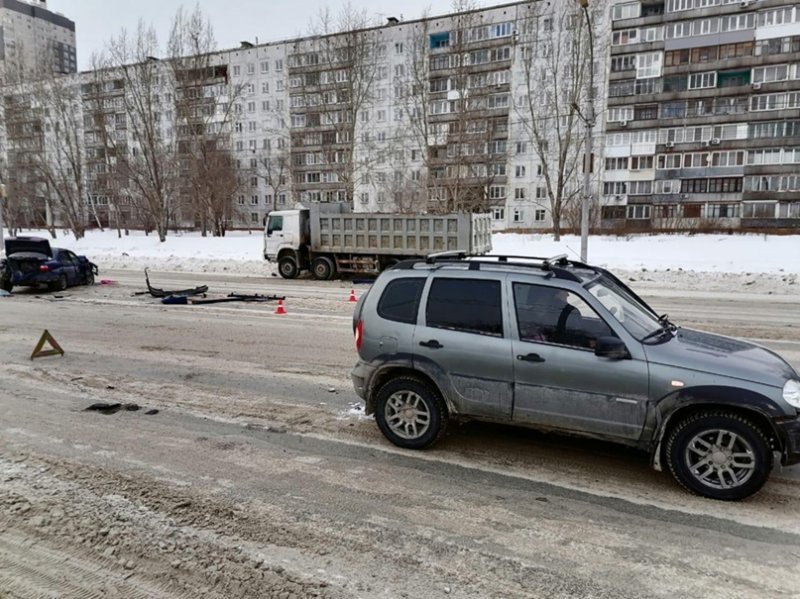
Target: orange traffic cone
[352,297]
[279,309]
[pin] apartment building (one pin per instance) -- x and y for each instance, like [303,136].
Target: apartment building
[31,35]
[431,114]
[703,117]
[411,115]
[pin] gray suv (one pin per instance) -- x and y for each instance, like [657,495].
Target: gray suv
[559,345]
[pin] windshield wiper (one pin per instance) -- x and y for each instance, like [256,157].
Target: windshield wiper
[666,327]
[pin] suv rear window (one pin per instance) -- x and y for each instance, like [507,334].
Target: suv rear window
[468,305]
[400,300]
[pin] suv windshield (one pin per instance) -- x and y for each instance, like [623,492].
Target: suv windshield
[637,319]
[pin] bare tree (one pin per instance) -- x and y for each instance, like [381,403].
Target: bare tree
[458,109]
[204,97]
[274,167]
[60,163]
[106,142]
[336,69]
[555,51]
[151,167]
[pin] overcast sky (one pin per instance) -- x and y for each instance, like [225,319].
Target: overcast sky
[233,20]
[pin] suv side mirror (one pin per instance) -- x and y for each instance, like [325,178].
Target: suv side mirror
[611,347]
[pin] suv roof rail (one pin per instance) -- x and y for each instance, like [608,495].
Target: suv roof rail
[452,254]
[557,265]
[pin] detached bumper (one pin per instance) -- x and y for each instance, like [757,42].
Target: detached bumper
[790,433]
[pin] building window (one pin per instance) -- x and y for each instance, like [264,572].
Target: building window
[497,192]
[519,193]
[638,212]
[617,164]
[639,163]
[518,215]
[629,10]
[519,171]
[499,213]
[539,215]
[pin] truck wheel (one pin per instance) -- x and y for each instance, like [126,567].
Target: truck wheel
[719,455]
[287,266]
[322,268]
[410,413]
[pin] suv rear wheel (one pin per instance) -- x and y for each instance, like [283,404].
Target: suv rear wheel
[410,414]
[719,455]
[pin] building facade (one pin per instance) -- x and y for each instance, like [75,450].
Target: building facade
[33,37]
[703,119]
[697,104]
[431,114]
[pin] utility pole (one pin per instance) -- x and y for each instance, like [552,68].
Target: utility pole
[589,123]
[2,206]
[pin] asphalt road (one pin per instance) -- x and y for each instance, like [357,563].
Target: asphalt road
[259,475]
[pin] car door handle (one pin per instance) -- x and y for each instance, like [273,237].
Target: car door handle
[530,358]
[433,344]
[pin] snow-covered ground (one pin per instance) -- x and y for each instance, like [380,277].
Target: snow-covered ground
[695,260]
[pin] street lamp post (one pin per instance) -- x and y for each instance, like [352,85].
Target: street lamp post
[589,123]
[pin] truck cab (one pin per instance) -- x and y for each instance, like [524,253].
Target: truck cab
[285,235]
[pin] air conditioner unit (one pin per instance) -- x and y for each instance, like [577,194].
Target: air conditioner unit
[714,141]
[745,3]
[623,123]
[706,143]
[756,85]
[670,144]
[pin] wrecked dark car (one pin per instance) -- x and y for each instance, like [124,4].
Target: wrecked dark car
[31,262]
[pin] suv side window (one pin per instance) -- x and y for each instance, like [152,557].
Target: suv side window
[552,315]
[468,305]
[400,300]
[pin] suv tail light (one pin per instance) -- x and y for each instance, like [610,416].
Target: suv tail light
[359,334]
[44,268]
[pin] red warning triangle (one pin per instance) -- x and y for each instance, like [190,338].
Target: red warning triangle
[38,352]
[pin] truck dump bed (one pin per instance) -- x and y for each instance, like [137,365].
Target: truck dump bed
[337,230]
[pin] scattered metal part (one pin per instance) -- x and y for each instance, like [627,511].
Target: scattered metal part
[163,293]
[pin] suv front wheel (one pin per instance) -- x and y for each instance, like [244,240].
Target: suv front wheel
[410,413]
[719,455]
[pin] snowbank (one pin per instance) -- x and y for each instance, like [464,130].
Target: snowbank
[242,251]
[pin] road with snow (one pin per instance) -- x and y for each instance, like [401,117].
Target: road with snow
[259,476]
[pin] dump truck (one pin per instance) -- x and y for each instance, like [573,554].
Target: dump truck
[329,238]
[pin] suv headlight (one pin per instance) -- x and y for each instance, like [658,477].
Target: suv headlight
[791,393]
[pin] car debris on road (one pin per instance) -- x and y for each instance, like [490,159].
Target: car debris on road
[240,297]
[163,293]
